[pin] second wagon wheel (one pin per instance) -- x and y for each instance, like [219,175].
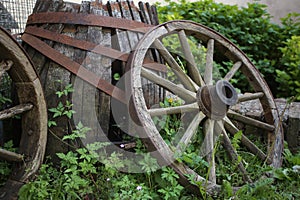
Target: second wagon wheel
[29,109]
[192,129]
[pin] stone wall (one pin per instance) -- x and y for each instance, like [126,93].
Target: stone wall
[277,8]
[289,113]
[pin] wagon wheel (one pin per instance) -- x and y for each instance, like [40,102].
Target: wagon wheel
[204,100]
[31,108]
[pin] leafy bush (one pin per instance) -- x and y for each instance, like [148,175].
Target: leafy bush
[81,175]
[248,27]
[289,75]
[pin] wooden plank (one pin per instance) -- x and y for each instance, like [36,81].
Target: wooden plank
[96,104]
[51,72]
[150,13]
[149,89]
[122,42]
[132,37]
[158,93]
[79,56]
[144,14]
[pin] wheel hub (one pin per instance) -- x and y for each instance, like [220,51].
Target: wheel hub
[214,100]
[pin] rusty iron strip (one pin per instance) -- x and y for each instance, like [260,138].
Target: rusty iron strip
[74,67]
[89,46]
[89,20]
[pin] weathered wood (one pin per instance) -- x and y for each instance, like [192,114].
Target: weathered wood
[144,13]
[33,121]
[122,42]
[215,44]
[233,70]
[245,141]
[174,110]
[250,96]
[209,126]
[11,112]
[181,92]
[183,78]
[10,190]
[10,156]
[249,121]
[152,92]
[208,74]
[79,95]
[189,57]
[191,130]
[92,106]
[132,37]
[89,46]
[53,77]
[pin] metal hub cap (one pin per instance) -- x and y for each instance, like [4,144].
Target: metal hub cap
[215,100]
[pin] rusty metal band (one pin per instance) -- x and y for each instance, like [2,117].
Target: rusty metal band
[89,46]
[89,20]
[74,67]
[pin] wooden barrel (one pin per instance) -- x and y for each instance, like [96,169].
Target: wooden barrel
[87,45]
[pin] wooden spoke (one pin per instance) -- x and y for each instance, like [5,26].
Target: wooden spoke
[209,135]
[233,70]
[190,131]
[19,109]
[5,66]
[185,80]
[245,141]
[209,62]
[10,156]
[250,96]
[181,92]
[247,120]
[174,110]
[191,64]
[233,154]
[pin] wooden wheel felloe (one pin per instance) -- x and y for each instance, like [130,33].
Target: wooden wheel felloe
[205,101]
[30,107]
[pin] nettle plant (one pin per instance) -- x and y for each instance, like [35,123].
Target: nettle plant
[280,183]
[92,173]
